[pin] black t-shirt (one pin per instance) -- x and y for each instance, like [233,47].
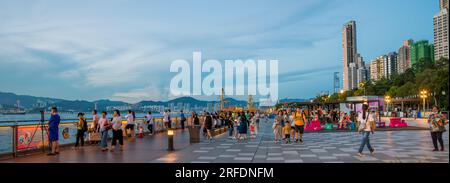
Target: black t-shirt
[208,121]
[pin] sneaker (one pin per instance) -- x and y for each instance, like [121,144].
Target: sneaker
[301,140]
[434,150]
[372,152]
[360,154]
[442,149]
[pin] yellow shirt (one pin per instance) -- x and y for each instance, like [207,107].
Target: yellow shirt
[299,119]
[287,129]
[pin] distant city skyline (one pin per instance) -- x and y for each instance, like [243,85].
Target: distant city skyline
[121,50]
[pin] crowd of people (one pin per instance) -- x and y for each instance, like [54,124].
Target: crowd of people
[288,125]
[239,124]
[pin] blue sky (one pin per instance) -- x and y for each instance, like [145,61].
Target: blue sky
[122,49]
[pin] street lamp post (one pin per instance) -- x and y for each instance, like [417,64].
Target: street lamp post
[388,100]
[424,95]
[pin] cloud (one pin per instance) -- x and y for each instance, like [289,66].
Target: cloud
[137,95]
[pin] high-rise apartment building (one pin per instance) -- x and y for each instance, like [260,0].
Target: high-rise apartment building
[404,57]
[441,31]
[443,4]
[378,68]
[391,64]
[420,50]
[350,52]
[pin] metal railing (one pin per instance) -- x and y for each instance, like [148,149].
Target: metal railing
[12,128]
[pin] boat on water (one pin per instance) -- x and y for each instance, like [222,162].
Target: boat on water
[14,112]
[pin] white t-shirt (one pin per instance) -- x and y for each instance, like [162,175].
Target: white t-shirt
[166,117]
[366,121]
[149,118]
[130,118]
[102,122]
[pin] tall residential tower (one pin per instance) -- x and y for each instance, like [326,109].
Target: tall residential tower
[350,53]
[441,31]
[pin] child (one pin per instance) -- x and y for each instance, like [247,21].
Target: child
[252,130]
[287,132]
[275,130]
[141,132]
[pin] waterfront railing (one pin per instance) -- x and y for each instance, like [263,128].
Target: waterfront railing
[20,137]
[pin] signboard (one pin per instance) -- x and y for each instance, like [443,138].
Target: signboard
[30,137]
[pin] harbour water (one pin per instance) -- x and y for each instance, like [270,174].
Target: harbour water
[33,120]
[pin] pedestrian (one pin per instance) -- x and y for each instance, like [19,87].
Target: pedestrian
[287,132]
[366,127]
[150,123]
[208,124]
[105,126]
[279,126]
[182,119]
[130,123]
[94,129]
[166,119]
[276,124]
[242,128]
[53,130]
[437,124]
[117,130]
[299,119]
[253,129]
[81,129]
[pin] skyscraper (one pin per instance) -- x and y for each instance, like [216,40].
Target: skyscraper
[441,31]
[391,64]
[404,57]
[361,71]
[350,51]
[420,50]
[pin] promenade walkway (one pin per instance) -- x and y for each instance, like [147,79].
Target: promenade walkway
[412,146]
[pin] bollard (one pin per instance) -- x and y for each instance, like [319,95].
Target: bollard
[170,139]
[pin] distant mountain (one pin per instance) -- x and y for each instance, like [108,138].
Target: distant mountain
[26,101]
[31,102]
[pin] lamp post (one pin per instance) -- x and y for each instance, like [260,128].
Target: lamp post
[424,95]
[388,100]
[170,140]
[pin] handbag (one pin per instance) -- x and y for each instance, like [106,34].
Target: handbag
[94,136]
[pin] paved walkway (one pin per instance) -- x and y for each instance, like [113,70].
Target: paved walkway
[391,147]
[135,151]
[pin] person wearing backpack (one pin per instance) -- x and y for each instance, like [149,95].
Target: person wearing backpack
[81,129]
[366,127]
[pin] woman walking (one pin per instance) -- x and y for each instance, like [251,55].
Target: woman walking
[105,126]
[117,130]
[367,126]
[437,127]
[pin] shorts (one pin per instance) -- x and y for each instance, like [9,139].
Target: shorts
[130,126]
[53,134]
[299,129]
